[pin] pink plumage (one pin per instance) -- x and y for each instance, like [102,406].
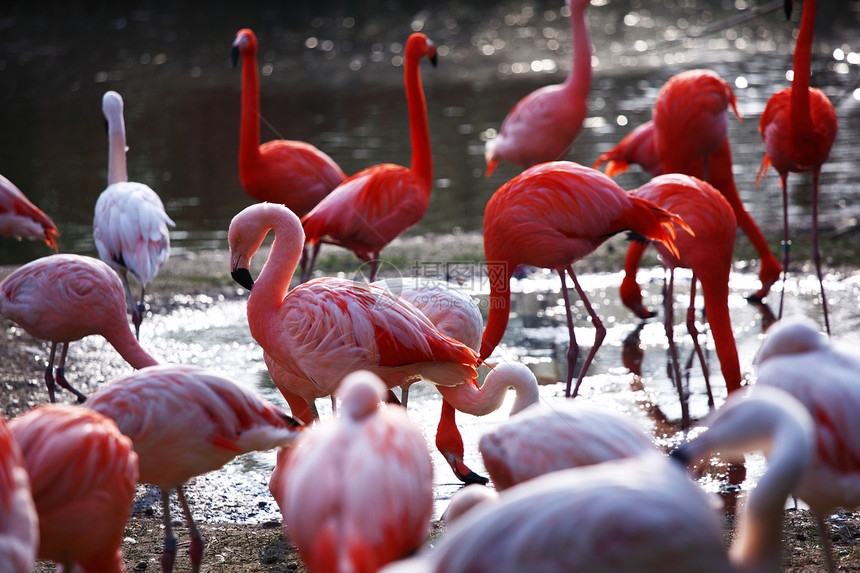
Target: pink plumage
[63,298]
[184,422]
[83,473]
[543,125]
[372,483]
[19,218]
[19,523]
[542,439]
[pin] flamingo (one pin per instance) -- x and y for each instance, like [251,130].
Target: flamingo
[550,216]
[699,97]
[184,422]
[370,209]
[636,514]
[543,439]
[372,479]
[130,225]
[636,147]
[708,253]
[798,128]
[83,473]
[293,173]
[543,125]
[796,357]
[63,298]
[326,328]
[19,523]
[19,218]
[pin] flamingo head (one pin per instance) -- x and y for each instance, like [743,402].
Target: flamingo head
[418,45]
[245,43]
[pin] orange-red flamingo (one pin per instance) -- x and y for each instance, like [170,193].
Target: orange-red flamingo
[184,422]
[19,523]
[326,328]
[682,99]
[796,357]
[130,226]
[63,298]
[83,472]
[372,481]
[636,514]
[798,128]
[371,208]
[543,125]
[708,253]
[550,216]
[20,219]
[293,173]
[636,147]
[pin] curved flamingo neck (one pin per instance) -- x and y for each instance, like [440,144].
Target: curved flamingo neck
[500,307]
[122,339]
[419,130]
[249,134]
[471,399]
[273,283]
[117,168]
[801,115]
[579,79]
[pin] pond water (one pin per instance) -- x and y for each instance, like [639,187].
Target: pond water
[331,76]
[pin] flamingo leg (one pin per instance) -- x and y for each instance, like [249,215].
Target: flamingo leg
[306,273]
[694,334]
[196,549]
[573,348]
[138,313]
[374,266]
[674,370]
[404,395]
[816,254]
[60,375]
[449,442]
[168,555]
[599,333]
[786,242]
[49,373]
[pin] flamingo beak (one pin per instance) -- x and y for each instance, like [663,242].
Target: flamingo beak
[243,277]
[234,54]
[788,5]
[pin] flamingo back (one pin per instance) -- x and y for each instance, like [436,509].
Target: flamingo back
[186,421]
[83,473]
[371,477]
[19,523]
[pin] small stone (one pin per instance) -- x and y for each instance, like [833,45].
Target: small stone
[271,524]
[140,566]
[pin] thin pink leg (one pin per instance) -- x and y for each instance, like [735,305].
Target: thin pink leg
[599,333]
[196,548]
[816,254]
[573,348]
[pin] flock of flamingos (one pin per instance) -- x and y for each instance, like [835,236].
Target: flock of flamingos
[577,487]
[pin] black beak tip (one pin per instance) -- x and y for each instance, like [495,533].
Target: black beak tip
[243,277]
[433,60]
[234,55]
[788,5]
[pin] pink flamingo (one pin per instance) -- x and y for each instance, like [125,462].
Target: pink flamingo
[550,216]
[797,358]
[798,128]
[543,125]
[130,225]
[709,254]
[293,173]
[19,523]
[372,479]
[83,473]
[635,514]
[63,298]
[543,439]
[19,218]
[370,209]
[185,422]
[360,324]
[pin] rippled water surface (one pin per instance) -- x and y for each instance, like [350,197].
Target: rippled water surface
[332,76]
